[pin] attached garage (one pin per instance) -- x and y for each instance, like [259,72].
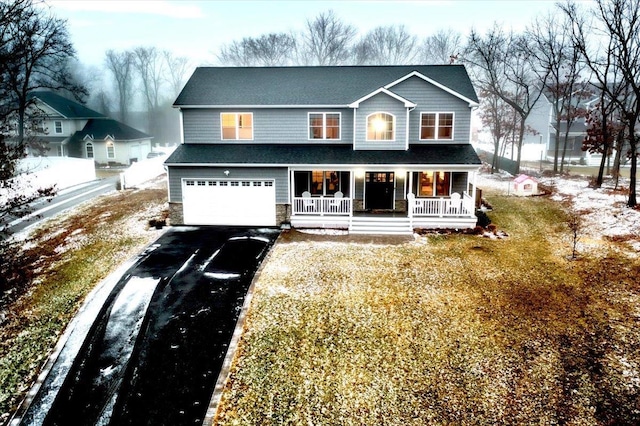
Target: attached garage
[229,202]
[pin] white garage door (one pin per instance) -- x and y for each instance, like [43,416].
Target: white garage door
[229,202]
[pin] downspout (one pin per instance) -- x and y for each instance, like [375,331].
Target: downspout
[181,127]
[353,137]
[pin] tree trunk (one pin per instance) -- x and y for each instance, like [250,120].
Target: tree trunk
[557,144]
[600,177]
[520,139]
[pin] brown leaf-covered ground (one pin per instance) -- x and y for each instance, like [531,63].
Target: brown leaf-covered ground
[69,256]
[444,329]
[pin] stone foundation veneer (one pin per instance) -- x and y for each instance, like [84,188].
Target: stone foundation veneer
[176,216]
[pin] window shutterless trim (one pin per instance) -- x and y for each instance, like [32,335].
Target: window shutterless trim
[437,125]
[393,127]
[324,126]
[237,126]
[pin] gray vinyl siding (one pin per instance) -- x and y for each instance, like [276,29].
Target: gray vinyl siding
[269,125]
[381,103]
[430,98]
[279,174]
[400,178]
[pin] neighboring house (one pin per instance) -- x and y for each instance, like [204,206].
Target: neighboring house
[364,148]
[62,121]
[539,125]
[109,141]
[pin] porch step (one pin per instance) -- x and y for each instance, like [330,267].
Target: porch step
[380,225]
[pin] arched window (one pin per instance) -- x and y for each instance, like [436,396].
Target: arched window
[380,127]
[89,149]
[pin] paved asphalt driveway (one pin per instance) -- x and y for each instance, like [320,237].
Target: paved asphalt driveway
[154,351]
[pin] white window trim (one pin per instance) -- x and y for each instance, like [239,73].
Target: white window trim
[437,138]
[324,126]
[393,132]
[237,114]
[109,157]
[93,150]
[55,127]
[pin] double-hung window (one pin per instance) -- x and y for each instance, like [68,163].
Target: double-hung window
[237,126]
[57,127]
[324,125]
[380,127]
[436,126]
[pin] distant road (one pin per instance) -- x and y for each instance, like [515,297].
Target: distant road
[64,200]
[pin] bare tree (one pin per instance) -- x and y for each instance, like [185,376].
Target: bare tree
[326,41]
[40,54]
[388,45]
[274,49]
[442,47]
[615,51]
[26,37]
[177,67]
[557,57]
[501,120]
[121,66]
[149,65]
[501,65]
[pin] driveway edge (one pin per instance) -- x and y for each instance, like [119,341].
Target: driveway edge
[223,376]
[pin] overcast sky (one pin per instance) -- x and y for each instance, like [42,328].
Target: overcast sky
[197,29]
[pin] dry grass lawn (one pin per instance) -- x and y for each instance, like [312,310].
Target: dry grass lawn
[453,329]
[71,254]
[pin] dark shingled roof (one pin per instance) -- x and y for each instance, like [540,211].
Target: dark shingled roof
[100,129]
[66,107]
[289,154]
[338,85]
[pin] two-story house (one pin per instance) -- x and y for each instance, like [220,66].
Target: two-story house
[364,148]
[71,129]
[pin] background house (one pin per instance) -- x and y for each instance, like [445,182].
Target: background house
[108,141]
[70,129]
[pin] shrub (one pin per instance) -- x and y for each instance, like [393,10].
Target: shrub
[483,219]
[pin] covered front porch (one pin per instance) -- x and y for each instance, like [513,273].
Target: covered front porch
[371,198]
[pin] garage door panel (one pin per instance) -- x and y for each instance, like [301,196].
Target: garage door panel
[229,202]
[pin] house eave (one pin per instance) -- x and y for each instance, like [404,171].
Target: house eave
[471,102]
[254,106]
[376,166]
[407,103]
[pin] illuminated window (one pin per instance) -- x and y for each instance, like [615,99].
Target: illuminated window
[436,184]
[324,125]
[436,125]
[320,182]
[236,126]
[380,127]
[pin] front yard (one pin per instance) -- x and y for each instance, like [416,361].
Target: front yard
[445,329]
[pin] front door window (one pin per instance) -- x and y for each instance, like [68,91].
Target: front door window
[379,190]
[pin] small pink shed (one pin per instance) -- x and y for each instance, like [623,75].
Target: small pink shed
[525,185]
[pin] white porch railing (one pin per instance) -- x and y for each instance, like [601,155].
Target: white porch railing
[452,206]
[322,206]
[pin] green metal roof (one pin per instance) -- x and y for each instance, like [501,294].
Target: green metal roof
[66,107]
